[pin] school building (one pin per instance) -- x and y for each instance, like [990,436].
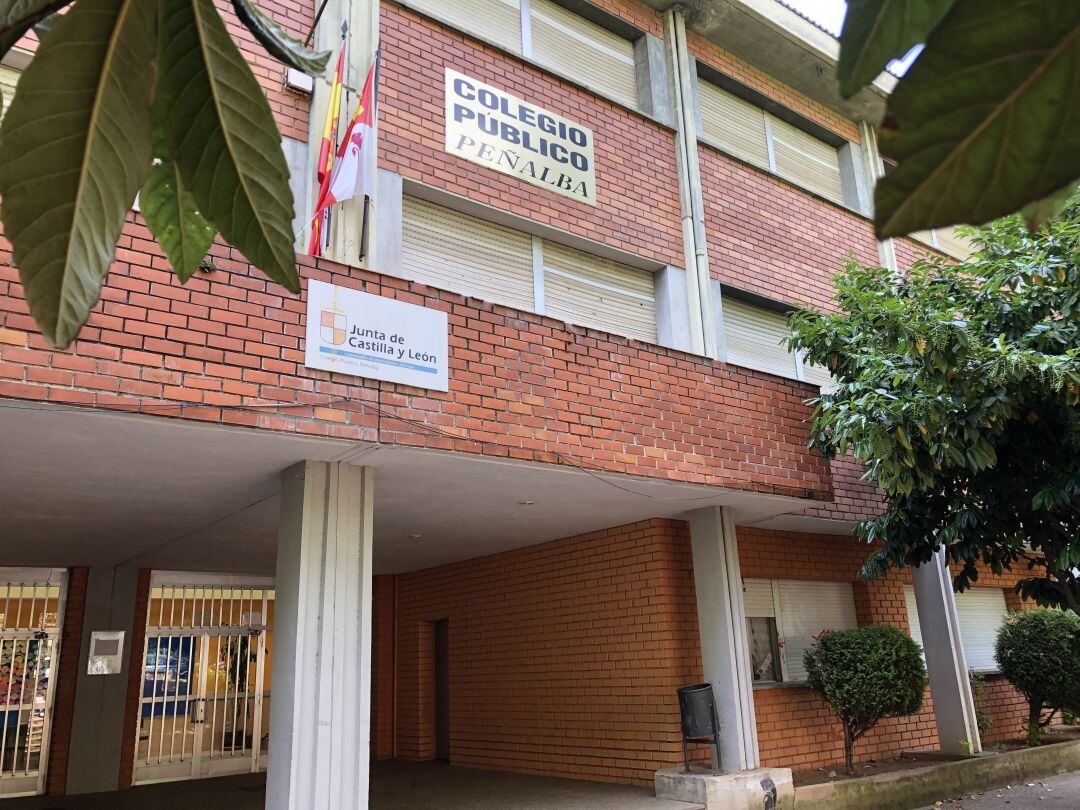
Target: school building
[525,456]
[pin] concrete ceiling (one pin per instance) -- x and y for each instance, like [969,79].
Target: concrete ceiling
[81,487]
[783,44]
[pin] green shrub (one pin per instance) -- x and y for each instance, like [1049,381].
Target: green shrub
[1039,652]
[866,675]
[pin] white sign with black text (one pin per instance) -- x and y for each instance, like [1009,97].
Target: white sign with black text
[504,133]
[366,335]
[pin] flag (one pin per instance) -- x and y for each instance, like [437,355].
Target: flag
[353,169]
[333,109]
[326,151]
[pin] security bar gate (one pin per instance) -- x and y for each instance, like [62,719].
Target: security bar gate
[204,707]
[31,611]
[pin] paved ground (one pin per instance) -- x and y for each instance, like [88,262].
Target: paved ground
[394,786]
[1055,793]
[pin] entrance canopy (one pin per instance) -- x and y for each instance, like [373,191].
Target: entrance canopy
[82,487]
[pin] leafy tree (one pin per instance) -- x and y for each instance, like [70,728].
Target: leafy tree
[958,386]
[130,96]
[986,121]
[866,675]
[1039,652]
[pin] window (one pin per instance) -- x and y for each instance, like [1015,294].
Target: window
[754,338]
[736,126]
[750,133]
[947,241]
[8,79]
[980,612]
[453,251]
[456,252]
[785,617]
[497,21]
[590,291]
[565,42]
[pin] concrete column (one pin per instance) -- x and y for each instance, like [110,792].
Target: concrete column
[386,253]
[954,705]
[320,714]
[653,85]
[97,723]
[672,326]
[722,625]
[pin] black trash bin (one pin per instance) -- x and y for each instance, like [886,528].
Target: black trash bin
[700,721]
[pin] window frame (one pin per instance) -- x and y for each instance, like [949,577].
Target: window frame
[768,305]
[523,49]
[539,268]
[771,111]
[786,680]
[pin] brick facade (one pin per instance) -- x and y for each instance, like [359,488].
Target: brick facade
[564,657]
[633,154]
[67,668]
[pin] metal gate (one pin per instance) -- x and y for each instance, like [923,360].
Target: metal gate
[204,707]
[31,612]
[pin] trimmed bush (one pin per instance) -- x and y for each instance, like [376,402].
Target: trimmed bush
[1039,652]
[866,675]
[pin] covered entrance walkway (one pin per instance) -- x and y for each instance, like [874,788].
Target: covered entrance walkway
[394,786]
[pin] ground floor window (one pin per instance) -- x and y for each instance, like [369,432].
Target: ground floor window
[980,612]
[785,617]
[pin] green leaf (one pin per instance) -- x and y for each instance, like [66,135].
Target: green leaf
[1040,212]
[986,120]
[277,43]
[221,133]
[74,150]
[876,31]
[19,16]
[172,216]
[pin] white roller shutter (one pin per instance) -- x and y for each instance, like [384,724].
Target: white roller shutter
[952,243]
[981,612]
[497,21]
[584,51]
[914,630]
[462,254]
[8,79]
[819,376]
[587,290]
[758,598]
[805,160]
[734,125]
[807,609]
[753,336]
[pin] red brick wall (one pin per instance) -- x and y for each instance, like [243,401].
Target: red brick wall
[522,385]
[778,240]
[563,656]
[67,668]
[383,656]
[637,192]
[597,631]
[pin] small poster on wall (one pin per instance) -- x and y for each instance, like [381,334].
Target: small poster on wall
[366,335]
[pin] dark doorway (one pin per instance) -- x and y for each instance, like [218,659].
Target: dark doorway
[442,690]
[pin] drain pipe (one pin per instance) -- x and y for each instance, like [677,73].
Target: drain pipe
[698,288]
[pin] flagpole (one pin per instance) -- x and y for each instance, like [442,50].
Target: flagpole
[375,129]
